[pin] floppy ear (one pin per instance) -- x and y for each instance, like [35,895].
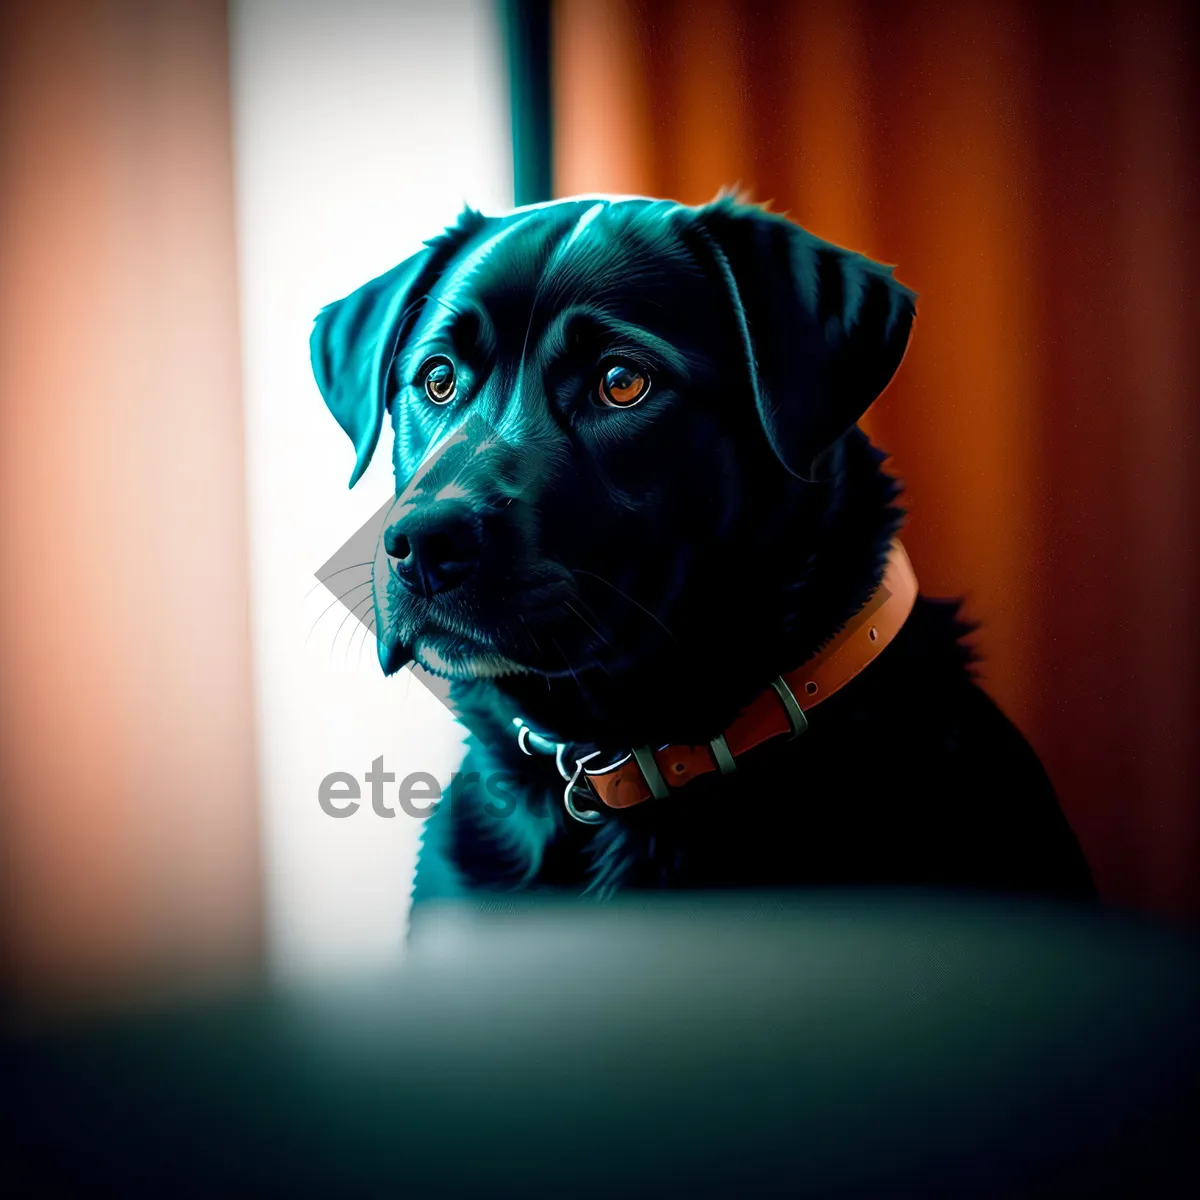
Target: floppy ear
[824,328]
[355,340]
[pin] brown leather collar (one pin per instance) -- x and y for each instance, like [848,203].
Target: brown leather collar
[776,712]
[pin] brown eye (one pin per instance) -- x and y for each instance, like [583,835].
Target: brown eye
[440,383]
[623,386]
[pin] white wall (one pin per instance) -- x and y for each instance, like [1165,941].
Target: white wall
[360,129]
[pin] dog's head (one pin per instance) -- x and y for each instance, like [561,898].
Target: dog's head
[605,415]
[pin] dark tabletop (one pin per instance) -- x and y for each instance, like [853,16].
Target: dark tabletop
[828,1045]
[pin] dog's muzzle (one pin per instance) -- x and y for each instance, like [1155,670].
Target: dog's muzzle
[434,549]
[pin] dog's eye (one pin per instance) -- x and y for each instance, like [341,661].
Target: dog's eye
[440,382]
[623,386]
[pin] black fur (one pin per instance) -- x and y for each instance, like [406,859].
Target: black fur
[636,577]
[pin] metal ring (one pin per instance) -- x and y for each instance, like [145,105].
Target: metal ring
[558,760]
[584,816]
[532,743]
[619,761]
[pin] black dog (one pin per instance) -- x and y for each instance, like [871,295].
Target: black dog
[631,499]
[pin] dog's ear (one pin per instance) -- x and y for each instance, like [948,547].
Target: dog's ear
[824,328]
[355,340]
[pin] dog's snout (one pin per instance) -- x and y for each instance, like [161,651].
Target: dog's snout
[434,551]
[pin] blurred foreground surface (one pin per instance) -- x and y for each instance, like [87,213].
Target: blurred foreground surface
[836,1045]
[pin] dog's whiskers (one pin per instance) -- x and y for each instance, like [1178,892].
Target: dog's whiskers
[336,601]
[570,608]
[368,631]
[530,632]
[567,661]
[353,612]
[324,579]
[627,597]
[367,622]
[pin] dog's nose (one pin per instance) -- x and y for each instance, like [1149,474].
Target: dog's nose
[433,551]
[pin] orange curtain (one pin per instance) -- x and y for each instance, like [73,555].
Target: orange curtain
[128,827]
[1031,169]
